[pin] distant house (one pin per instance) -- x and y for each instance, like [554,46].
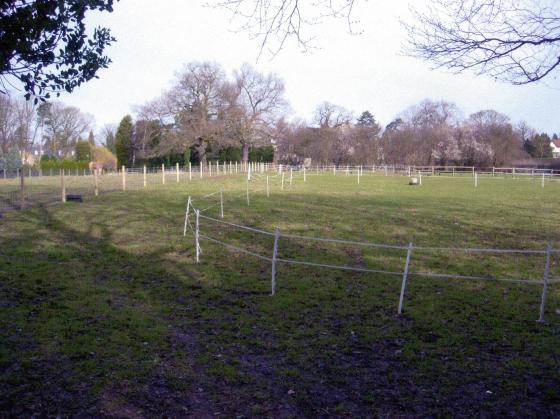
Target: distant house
[555,145]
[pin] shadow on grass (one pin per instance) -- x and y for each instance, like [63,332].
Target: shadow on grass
[98,325]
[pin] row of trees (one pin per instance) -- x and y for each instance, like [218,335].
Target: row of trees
[203,112]
[430,133]
[49,135]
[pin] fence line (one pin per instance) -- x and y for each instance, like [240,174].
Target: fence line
[406,273]
[41,187]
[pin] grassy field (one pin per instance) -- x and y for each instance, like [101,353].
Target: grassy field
[104,312]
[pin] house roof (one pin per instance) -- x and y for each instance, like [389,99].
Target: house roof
[556,143]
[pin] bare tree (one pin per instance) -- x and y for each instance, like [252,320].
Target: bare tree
[255,103]
[517,41]
[495,130]
[7,123]
[194,104]
[63,127]
[273,22]
[329,115]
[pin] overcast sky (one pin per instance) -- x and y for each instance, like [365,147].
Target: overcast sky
[359,72]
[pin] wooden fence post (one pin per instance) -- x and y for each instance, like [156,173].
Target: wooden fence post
[177,170]
[190,171]
[96,182]
[145,177]
[267,189]
[163,173]
[123,171]
[405,277]
[222,203]
[63,185]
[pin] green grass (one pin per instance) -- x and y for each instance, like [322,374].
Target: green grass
[103,311]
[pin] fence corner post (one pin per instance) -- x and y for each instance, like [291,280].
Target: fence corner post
[187,216]
[545,283]
[405,278]
[274,256]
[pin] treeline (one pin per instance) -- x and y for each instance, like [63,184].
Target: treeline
[430,133]
[50,135]
[204,115]
[209,115]
[133,147]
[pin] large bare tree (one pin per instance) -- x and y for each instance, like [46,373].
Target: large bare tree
[63,127]
[194,103]
[517,41]
[257,101]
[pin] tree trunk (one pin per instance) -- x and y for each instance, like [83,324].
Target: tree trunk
[22,187]
[201,150]
[245,152]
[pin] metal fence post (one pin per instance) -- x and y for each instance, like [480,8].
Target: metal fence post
[545,282]
[274,255]
[197,236]
[248,203]
[405,277]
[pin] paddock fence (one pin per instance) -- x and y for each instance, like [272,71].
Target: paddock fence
[29,187]
[213,230]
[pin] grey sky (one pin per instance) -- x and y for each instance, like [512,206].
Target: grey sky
[366,71]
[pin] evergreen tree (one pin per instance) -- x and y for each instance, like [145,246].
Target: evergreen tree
[123,142]
[367,119]
[91,138]
[110,142]
[83,151]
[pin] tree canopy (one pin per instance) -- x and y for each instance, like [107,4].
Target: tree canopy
[45,45]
